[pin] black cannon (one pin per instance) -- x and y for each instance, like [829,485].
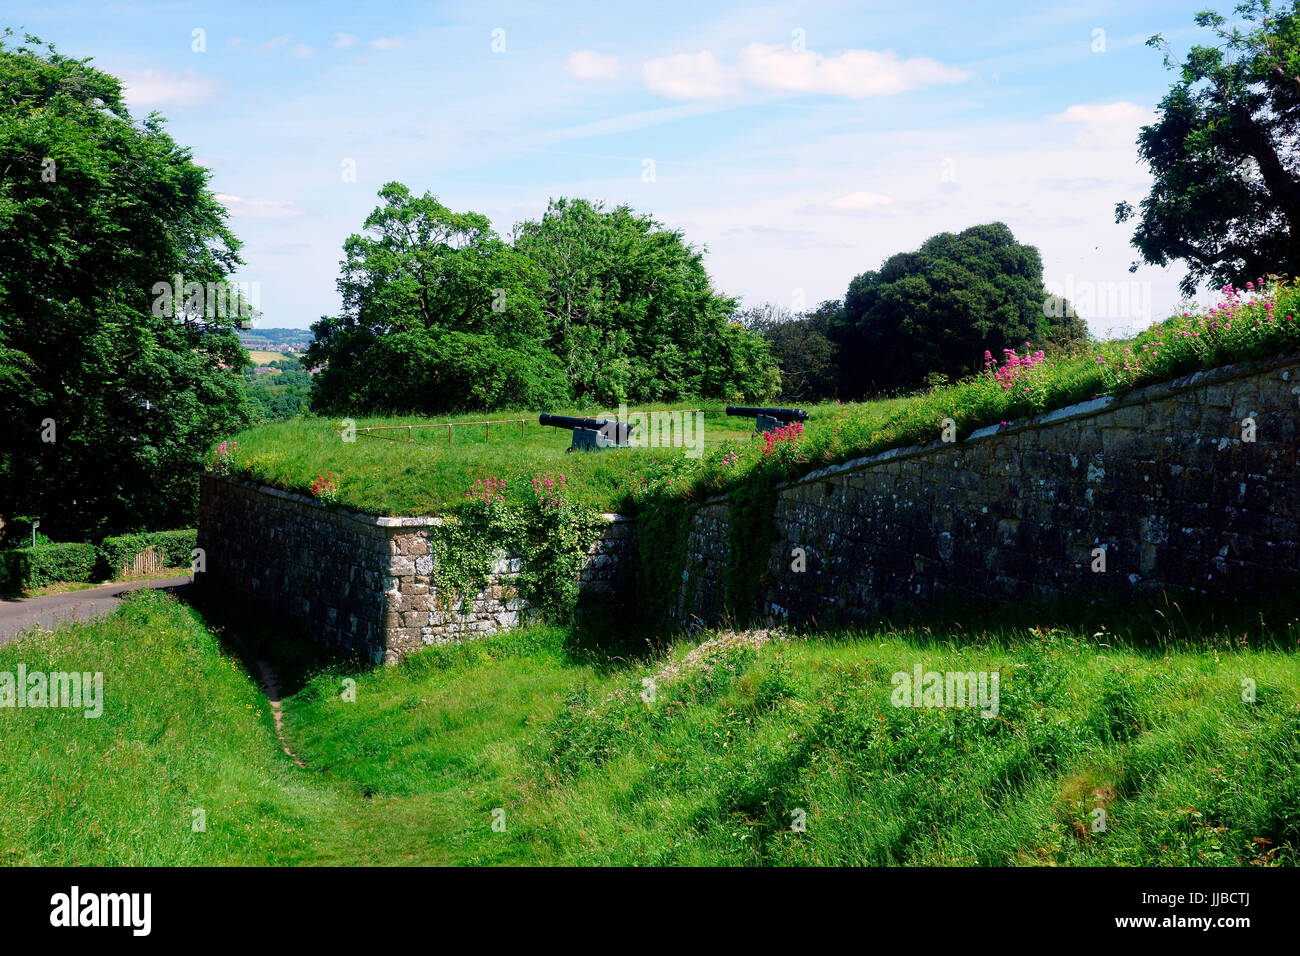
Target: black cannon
[769,419]
[591,434]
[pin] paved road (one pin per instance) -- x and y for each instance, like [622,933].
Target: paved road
[50,609]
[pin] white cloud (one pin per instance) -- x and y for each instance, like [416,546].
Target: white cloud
[302,51]
[691,76]
[590,65]
[260,208]
[275,43]
[387,43]
[853,73]
[1106,124]
[861,200]
[344,41]
[150,88]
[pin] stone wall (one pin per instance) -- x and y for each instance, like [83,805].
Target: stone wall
[1163,483]
[1164,480]
[363,584]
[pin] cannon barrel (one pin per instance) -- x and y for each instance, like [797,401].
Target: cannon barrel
[781,414]
[616,431]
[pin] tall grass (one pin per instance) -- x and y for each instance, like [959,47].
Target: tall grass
[183,729]
[704,754]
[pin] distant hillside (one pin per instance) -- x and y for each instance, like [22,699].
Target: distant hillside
[275,340]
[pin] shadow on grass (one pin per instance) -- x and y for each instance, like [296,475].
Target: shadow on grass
[1151,626]
[603,637]
[252,633]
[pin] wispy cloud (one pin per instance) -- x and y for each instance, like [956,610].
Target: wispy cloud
[302,51]
[590,65]
[861,200]
[260,208]
[345,41]
[387,43]
[691,76]
[275,44]
[855,74]
[150,88]
[1103,124]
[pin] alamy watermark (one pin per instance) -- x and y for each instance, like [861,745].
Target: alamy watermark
[207,299]
[1100,300]
[666,429]
[73,909]
[37,689]
[947,689]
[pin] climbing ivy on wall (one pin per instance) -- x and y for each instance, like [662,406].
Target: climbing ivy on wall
[750,532]
[551,534]
[464,552]
[554,541]
[663,526]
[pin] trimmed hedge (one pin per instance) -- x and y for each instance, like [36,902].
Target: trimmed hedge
[22,569]
[25,568]
[176,548]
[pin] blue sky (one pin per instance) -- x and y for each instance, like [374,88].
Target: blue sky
[801,143]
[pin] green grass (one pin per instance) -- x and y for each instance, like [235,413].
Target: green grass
[182,729]
[266,357]
[430,476]
[712,771]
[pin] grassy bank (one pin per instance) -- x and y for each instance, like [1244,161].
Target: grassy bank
[431,475]
[182,729]
[579,759]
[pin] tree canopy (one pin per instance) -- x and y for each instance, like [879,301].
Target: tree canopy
[800,344]
[936,311]
[441,314]
[1223,153]
[110,401]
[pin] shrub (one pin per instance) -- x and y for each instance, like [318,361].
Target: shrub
[175,548]
[24,568]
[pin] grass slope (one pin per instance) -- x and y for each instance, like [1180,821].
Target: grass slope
[742,732]
[182,729]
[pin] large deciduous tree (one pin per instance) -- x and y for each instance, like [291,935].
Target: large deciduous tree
[936,311]
[439,314]
[632,312]
[1223,153]
[109,402]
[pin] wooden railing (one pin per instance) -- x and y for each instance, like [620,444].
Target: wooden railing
[487,426]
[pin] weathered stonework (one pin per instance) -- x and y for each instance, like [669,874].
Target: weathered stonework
[1161,479]
[364,584]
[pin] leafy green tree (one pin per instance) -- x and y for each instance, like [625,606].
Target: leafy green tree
[935,311]
[1223,153]
[439,314]
[110,400]
[632,312]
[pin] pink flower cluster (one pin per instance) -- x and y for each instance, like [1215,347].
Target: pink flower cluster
[1252,308]
[729,459]
[488,490]
[779,439]
[548,489]
[325,488]
[1013,365]
[225,452]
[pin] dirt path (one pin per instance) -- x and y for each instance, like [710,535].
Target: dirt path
[271,685]
[50,609]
